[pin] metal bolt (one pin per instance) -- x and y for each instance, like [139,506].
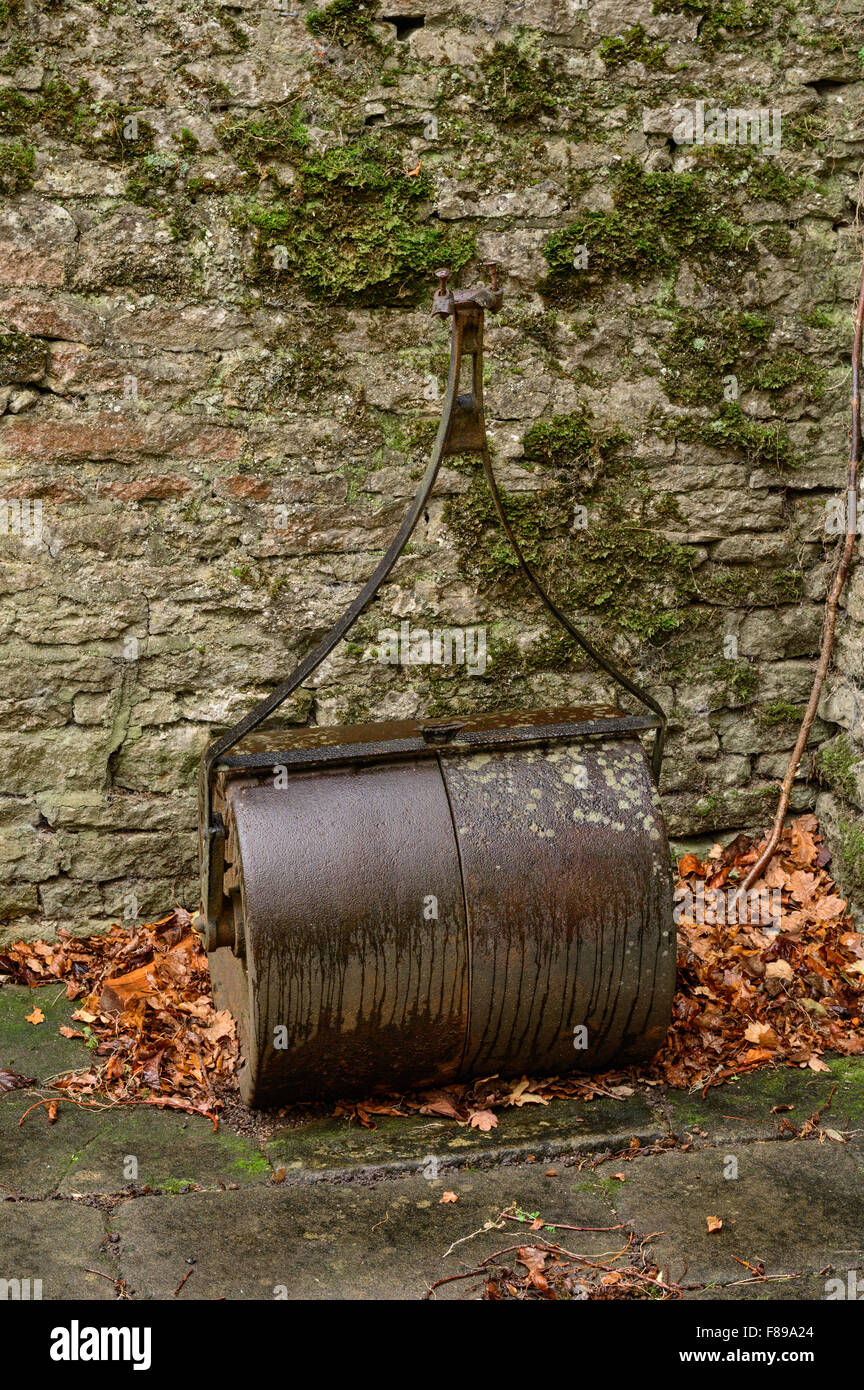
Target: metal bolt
[443,277]
[492,267]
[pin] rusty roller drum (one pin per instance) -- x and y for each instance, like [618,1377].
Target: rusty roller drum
[390,905]
[408,919]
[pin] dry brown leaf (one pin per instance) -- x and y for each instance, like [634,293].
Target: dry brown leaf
[11,1081]
[779,970]
[762,1034]
[36,1016]
[483,1120]
[714,1224]
[816,1064]
[449,1197]
[689,864]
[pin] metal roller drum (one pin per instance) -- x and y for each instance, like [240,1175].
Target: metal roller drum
[422,912]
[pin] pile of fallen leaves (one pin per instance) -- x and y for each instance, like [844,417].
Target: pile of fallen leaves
[780,985]
[145,1011]
[776,979]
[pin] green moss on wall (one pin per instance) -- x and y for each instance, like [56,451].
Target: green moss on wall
[516,86]
[16,112]
[657,220]
[732,429]
[632,47]
[353,228]
[22,358]
[732,18]
[834,763]
[707,346]
[852,858]
[787,369]
[267,138]
[108,130]
[618,569]
[736,682]
[572,441]
[17,162]
[343,22]
[704,346]
[779,712]
[159,182]
[18,54]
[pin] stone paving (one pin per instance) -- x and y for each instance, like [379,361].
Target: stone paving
[358,1214]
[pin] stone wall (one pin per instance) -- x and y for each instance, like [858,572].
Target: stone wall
[220,381]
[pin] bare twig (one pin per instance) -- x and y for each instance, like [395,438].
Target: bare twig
[846,554]
[560,1226]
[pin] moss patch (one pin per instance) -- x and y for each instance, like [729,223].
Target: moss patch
[354,227]
[732,429]
[779,712]
[731,17]
[17,162]
[260,141]
[618,567]
[704,347]
[343,22]
[22,358]
[572,441]
[632,47]
[852,858]
[657,220]
[834,763]
[16,112]
[515,86]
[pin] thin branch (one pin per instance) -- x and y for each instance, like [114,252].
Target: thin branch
[846,555]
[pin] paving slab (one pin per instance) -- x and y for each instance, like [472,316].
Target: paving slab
[745,1108]
[332,1148]
[39,1049]
[387,1240]
[796,1207]
[172,1152]
[35,1156]
[54,1242]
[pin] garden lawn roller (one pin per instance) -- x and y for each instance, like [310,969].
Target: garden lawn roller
[392,905]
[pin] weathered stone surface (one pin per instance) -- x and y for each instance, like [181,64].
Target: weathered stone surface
[783,1209]
[58,1243]
[378,1242]
[222,451]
